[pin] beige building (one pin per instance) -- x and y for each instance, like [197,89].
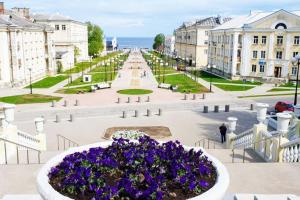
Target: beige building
[191,40]
[256,46]
[69,36]
[26,49]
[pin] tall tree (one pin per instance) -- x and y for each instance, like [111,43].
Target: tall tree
[159,41]
[95,39]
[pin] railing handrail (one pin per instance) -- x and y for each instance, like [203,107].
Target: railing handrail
[27,136]
[64,142]
[247,132]
[209,140]
[67,139]
[21,145]
[291,143]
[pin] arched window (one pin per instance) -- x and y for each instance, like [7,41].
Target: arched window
[281,26]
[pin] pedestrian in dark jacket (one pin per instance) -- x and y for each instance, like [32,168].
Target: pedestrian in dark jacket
[223,131]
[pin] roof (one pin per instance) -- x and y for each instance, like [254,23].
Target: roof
[9,19]
[208,21]
[241,21]
[53,17]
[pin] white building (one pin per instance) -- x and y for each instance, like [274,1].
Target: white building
[69,36]
[26,49]
[191,40]
[112,45]
[169,48]
[259,45]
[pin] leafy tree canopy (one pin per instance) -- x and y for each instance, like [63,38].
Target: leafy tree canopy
[95,39]
[159,41]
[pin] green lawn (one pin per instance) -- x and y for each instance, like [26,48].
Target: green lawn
[102,69]
[215,79]
[289,84]
[184,83]
[280,90]
[134,91]
[48,82]
[267,95]
[74,90]
[28,99]
[96,78]
[233,87]
[161,70]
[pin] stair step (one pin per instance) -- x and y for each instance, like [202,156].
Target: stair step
[22,197]
[225,155]
[265,197]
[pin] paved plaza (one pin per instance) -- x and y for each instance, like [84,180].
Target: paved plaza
[100,111]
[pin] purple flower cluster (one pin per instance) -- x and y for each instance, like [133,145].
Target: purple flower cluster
[134,170]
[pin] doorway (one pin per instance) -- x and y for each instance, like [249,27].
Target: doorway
[277,72]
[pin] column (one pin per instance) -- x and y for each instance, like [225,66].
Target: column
[234,56]
[246,52]
[270,56]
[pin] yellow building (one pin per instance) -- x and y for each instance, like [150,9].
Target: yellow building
[256,46]
[191,40]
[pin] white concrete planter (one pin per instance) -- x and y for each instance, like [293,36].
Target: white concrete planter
[217,192]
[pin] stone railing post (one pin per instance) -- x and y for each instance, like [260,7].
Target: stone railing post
[39,125]
[231,127]
[9,113]
[261,116]
[283,120]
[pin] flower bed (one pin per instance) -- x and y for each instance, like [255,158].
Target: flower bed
[133,170]
[128,134]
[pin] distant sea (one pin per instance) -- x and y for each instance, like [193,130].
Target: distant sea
[134,42]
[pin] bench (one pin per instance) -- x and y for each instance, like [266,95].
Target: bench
[103,85]
[164,85]
[174,88]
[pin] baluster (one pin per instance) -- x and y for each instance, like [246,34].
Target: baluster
[5,152]
[271,151]
[284,155]
[58,142]
[298,156]
[17,148]
[27,153]
[294,152]
[39,157]
[288,159]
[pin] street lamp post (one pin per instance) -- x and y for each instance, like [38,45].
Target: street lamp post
[105,72]
[111,65]
[90,63]
[296,62]
[30,81]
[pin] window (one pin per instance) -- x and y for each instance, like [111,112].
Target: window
[264,40]
[56,27]
[253,68]
[262,68]
[279,55]
[254,54]
[263,54]
[294,54]
[255,39]
[63,27]
[297,40]
[279,40]
[294,70]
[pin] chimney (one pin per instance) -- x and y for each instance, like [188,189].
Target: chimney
[1,8]
[21,12]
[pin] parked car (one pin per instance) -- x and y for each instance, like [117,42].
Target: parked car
[284,106]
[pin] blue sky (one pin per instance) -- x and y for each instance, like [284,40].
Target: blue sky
[145,18]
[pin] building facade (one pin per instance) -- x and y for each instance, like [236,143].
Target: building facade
[26,50]
[191,40]
[169,48]
[69,35]
[256,46]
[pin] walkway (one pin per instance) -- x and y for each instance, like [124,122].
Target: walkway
[135,74]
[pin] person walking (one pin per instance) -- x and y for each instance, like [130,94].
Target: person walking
[223,130]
